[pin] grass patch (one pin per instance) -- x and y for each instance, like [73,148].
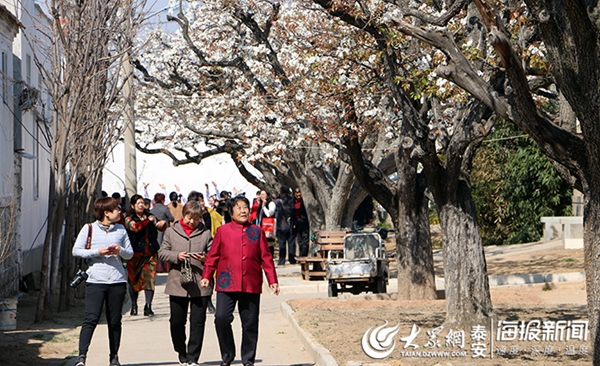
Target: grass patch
[570,260]
[60,339]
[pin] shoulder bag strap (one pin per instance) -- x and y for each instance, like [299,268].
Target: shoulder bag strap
[88,241]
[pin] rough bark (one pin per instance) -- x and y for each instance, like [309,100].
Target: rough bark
[466,281]
[408,207]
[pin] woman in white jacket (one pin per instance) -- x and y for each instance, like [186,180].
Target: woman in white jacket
[103,245]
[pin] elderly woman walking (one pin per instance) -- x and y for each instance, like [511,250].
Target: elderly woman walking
[239,255]
[187,242]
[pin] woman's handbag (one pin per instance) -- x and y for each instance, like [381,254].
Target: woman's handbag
[187,276]
[268,226]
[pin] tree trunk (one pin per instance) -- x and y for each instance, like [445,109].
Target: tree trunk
[465,275]
[591,222]
[416,278]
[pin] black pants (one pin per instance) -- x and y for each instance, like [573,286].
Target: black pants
[284,237]
[301,237]
[96,296]
[179,311]
[248,307]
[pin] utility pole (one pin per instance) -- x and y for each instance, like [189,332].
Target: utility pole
[129,133]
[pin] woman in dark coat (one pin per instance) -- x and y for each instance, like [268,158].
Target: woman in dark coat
[142,228]
[187,238]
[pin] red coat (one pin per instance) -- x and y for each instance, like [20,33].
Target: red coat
[239,254]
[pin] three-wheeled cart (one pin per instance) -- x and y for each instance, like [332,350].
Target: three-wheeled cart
[361,265]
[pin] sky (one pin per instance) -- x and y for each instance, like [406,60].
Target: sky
[158,169]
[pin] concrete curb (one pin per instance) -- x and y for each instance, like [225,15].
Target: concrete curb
[528,279]
[505,280]
[320,354]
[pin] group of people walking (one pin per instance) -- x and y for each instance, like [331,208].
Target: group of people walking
[198,250]
[290,218]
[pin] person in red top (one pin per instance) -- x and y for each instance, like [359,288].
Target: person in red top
[254,209]
[239,254]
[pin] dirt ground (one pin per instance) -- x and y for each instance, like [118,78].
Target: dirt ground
[45,344]
[339,324]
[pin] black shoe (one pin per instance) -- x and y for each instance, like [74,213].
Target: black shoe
[210,307]
[115,361]
[148,310]
[133,309]
[80,361]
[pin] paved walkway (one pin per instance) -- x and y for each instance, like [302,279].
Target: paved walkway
[146,340]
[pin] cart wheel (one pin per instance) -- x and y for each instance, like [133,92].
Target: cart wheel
[380,286]
[332,290]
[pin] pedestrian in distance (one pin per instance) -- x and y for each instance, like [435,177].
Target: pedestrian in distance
[142,228]
[266,218]
[175,206]
[103,245]
[188,239]
[239,255]
[300,224]
[162,213]
[283,226]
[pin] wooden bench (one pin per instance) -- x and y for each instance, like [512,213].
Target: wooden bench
[313,267]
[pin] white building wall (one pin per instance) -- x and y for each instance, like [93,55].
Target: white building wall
[10,263]
[35,174]
[7,133]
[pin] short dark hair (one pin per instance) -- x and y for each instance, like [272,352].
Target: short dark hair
[104,204]
[159,198]
[195,196]
[147,201]
[116,195]
[238,198]
[173,196]
[284,190]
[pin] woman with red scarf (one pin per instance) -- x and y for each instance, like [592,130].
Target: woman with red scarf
[188,239]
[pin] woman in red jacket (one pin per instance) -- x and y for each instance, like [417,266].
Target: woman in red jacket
[239,254]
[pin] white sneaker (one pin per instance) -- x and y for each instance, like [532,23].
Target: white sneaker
[80,361]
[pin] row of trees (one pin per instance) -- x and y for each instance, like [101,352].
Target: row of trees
[78,53]
[313,91]
[334,96]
